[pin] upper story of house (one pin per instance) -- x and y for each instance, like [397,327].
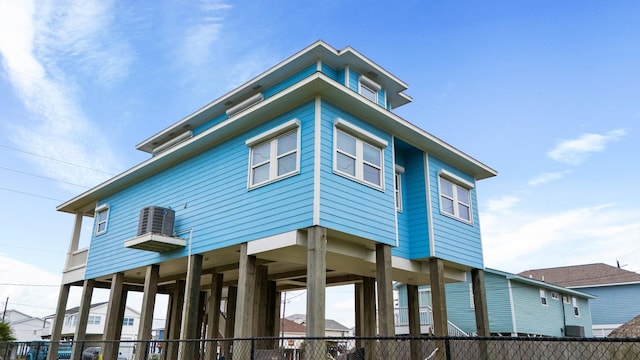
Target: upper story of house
[311,141]
[516,305]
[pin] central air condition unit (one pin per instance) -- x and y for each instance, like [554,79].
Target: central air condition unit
[157,220]
[574,331]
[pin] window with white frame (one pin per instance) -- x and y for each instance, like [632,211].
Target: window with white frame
[128,321]
[543,297]
[576,309]
[472,303]
[93,320]
[358,154]
[398,187]
[368,88]
[455,196]
[565,299]
[555,296]
[102,217]
[274,154]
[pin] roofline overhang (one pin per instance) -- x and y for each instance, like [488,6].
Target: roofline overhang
[305,57]
[315,85]
[516,277]
[604,285]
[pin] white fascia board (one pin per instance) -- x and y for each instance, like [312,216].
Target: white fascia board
[317,49]
[306,89]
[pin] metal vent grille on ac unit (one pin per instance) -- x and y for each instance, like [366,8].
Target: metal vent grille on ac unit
[157,220]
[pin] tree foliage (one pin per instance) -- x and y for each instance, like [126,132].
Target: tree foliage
[6,334]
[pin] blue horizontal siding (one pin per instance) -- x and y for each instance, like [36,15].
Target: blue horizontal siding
[614,304]
[291,80]
[209,194]
[211,123]
[454,240]
[413,226]
[330,72]
[350,206]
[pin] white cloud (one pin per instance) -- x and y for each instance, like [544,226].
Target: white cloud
[502,204]
[548,177]
[29,289]
[575,151]
[34,58]
[199,38]
[604,233]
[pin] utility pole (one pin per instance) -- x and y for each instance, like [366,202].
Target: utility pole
[5,309]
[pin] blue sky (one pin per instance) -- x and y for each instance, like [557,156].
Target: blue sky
[545,92]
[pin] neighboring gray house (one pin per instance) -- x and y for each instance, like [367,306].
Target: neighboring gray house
[517,305]
[332,327]
[616,290]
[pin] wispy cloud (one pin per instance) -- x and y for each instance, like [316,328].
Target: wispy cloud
[548,177]
[502,204]
[203,32]
[57,43]
[603,233]
[445,93]
[575,151]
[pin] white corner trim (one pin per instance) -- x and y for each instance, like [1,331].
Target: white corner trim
[317,158]
[451,176]
[360,133]
[280,129]
[369,83]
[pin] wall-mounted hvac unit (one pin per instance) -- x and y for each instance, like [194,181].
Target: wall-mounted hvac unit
[574,331]
[157,220]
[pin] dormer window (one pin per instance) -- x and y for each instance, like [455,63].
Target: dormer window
[368,88]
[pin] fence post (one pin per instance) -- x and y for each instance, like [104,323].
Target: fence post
[447,349]
[253,349]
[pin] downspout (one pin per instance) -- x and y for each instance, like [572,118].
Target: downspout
[564,317]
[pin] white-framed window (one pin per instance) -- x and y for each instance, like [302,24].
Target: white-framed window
[576,309]
[275,154]
[565,299]
[555,296]
[71,320]
[368,88]
[128,321]
[472,303]
[455,196]
[398,187]
[543,297]
[358,154]
[102,218]
[93,320]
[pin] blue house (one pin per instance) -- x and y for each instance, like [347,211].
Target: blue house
[303,177]
[517,306]
[616,290]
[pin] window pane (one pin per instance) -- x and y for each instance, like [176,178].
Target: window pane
[346,164]
[260,153]
[261,173]
[464,212]
[371,154]
[287,164]
[463,195]
[447,205]
[371,174]
[287,143]
[346,143]
[102,216]
[446,188]
[368,93]
[101,227]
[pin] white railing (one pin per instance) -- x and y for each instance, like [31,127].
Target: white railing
[401,316]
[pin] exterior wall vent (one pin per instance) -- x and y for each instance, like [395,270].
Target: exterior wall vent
[157,220]
[574,331]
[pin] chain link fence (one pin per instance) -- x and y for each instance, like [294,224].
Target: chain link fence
[345,348]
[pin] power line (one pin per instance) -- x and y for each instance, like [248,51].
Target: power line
[42,177]
[54,159]
[30,194]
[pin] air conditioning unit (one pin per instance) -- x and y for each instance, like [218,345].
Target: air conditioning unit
[574,331]
[157,220]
